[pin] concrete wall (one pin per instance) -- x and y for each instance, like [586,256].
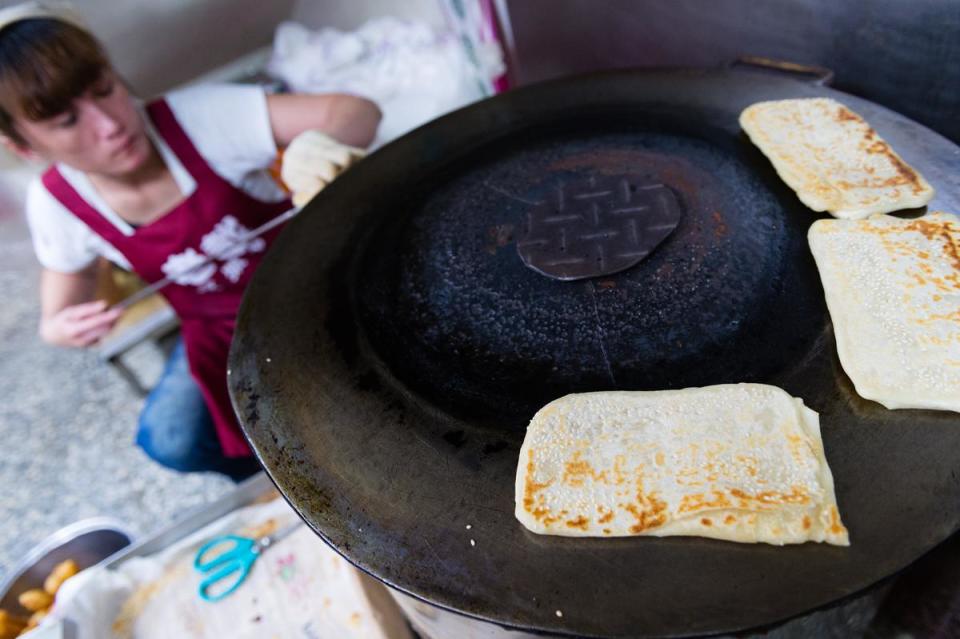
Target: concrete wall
[159,44]
[351,14]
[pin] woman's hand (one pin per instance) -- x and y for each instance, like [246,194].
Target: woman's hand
[70,313]
[312,161]
[79,325]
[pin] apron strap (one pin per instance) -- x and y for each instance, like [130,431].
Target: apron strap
[63,191]
[173,134]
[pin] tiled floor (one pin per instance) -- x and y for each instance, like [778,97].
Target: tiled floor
[67,423]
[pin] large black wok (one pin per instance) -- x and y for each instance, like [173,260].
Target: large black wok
[393,346]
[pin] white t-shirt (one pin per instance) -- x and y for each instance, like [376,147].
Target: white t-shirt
[228,125]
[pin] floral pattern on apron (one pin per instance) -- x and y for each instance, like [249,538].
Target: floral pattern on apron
[211,221]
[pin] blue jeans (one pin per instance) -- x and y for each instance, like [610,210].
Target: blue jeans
[176,428]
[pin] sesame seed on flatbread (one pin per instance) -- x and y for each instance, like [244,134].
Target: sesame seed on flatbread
[893,291]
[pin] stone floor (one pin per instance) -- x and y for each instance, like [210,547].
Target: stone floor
[67,421]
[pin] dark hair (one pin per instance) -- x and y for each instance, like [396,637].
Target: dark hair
[45,64]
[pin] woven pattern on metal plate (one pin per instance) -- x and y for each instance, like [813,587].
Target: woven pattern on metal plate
[598,226]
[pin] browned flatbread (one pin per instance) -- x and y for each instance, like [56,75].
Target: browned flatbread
[741,462]
[833,159]
[893,290]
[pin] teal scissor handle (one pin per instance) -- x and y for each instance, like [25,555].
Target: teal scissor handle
[237,559]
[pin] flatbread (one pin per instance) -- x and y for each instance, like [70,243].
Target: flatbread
[893,291]
[741,462]
[833,159]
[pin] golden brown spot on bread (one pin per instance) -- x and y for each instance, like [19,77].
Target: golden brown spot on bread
[580,522]
[650,515]
[953,316]
[619,476]
[606,531]
[543,514]
[749,464]
[937,229]
[659,458]
[699,501]
[649,510]
[905,173]
[532,502]
[835,526]
[577,470]
[797,495]
[806,523]
[605,516]
[729,520]
[706,521]
[846,115]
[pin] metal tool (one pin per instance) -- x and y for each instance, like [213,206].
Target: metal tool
[232,558]
[147,291]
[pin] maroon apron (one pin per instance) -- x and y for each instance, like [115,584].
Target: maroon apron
[211,221]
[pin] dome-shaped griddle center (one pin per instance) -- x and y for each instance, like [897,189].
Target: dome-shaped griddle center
[456,315]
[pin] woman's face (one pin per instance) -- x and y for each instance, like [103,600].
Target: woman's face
[102,132]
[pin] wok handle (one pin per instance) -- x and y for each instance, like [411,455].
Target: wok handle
[821,75]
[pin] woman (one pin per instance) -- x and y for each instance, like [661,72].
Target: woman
[159,189]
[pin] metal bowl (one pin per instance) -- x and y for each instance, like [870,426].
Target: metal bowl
[88,542]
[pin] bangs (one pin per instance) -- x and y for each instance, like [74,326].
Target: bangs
[45,64]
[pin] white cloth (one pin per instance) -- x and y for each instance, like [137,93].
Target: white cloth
[298,587]
[230,128]
[413,72]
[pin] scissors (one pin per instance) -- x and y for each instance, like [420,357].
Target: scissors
[232,555]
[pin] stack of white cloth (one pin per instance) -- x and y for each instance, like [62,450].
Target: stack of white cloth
[411,70]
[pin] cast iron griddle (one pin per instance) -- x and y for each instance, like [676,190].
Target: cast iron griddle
[393,346]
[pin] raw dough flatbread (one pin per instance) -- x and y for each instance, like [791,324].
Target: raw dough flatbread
[832,158]
[741,462]
[893,291]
